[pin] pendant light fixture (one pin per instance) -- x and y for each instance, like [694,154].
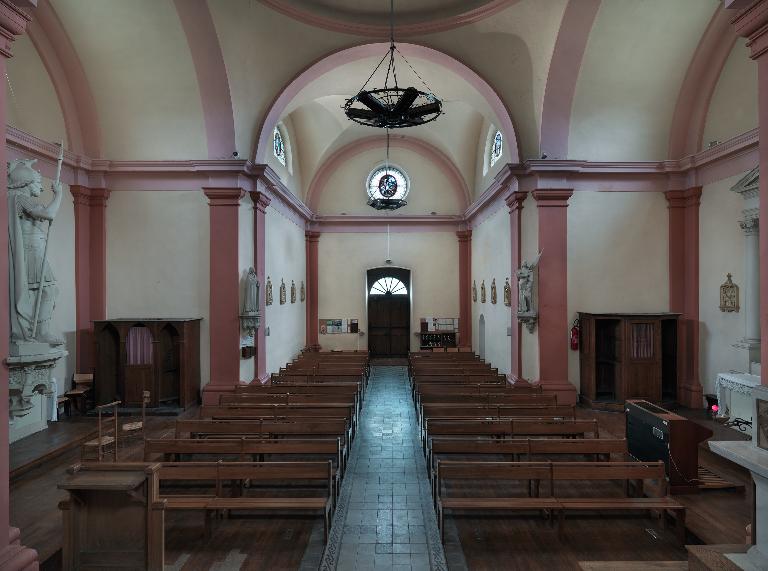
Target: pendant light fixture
[391,106]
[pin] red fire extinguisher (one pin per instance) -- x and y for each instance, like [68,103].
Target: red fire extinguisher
[575,335]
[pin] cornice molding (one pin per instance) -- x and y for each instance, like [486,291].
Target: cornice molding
[752,23]
[13,22]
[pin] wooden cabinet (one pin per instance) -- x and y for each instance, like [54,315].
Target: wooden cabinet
[161,356]
[628,356]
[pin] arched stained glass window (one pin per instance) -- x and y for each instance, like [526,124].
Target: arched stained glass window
[389,286]
[497,147]
[278,146]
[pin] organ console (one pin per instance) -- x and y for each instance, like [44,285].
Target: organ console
[654,433]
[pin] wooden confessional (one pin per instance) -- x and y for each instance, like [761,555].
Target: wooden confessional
[161,356]
[628,356]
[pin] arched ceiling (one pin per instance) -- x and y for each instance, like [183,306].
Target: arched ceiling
[153,97]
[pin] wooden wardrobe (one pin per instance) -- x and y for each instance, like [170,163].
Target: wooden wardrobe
[161,356]
[628,356]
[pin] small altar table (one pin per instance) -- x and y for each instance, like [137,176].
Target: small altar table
[739,383]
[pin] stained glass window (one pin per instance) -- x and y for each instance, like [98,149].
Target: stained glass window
[387,182]
[278,146]
[497,147]
[389,286]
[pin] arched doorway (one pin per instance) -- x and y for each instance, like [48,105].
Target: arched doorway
[389,312]
[481,337]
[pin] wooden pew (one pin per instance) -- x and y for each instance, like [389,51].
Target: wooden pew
[510,397]
[246,449]
[217,473]
[245,411]
[535,473]
[468,411]
[510,428]
[477,388]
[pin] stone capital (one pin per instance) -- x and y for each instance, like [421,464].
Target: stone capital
[751,226]
[684,198]
[260,200]
[552,197]
[464,235]
[515,200]
[224,196]
[84,196]
[312,236]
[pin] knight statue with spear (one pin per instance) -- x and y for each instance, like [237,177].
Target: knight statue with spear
[33,288]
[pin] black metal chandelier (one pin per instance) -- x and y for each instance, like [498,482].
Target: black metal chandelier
[391,106]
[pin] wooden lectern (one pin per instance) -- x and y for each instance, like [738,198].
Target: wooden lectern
[113,517]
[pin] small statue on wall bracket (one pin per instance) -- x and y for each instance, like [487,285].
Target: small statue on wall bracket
[302,292]
[474,290]
[282,291]
[293,291]
[482,291]
[249,318]
[526,310]
[507,293]
[493,291]
[269,291]
[729,296]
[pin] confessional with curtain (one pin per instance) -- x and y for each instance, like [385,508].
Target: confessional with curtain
[161,356]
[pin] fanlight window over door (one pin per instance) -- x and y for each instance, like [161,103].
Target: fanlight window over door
[389,286]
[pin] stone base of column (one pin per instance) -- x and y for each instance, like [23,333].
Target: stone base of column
[690,395]
[212,392]
[16,557]
[566,393]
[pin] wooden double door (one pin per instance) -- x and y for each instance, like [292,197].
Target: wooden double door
[389,318]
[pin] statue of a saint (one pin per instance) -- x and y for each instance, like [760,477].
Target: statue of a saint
[293,291]
[482,292]
[525,286]
[474,290]
[251,301]
[493,291]
[33,288]
[269,292]
[282,291]
[507,293]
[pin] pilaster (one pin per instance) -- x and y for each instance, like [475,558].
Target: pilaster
[13,555]
[515,202]
[465,287]
[260,203]
[684,289]
[312,243]
[224,303]
[553,293]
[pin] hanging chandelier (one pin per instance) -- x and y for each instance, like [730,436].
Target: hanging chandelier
[385,192]
[391,106]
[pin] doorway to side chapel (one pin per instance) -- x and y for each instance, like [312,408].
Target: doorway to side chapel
[389,312]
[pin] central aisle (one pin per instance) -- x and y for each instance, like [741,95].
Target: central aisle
[385,518]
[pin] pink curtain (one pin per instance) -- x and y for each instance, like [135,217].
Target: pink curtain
[139,346]
[642,340]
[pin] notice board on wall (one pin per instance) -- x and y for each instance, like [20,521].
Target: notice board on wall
[436,324]
[338,326]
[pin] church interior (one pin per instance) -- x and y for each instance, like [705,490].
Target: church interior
[384,284]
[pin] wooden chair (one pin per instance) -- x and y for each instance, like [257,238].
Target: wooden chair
[63,401]
[106,441]
[82,390]
[135,430]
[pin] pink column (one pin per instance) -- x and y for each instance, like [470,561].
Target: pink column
[752,24]
[90,267]
[224,321]
[515,203]
[553,293]
[684,289]
[260,203]
[13,555]
[313,238]
[465,287]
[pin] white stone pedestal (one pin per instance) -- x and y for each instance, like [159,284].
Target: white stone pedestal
[755,459]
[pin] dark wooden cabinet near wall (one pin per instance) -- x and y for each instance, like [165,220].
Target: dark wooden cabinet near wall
[628,356]
[161,356]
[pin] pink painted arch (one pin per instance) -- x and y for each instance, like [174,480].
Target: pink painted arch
[426,150]
[337,59]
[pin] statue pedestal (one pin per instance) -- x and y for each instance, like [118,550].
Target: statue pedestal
[30,370]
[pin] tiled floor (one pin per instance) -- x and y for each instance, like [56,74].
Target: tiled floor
[385,518]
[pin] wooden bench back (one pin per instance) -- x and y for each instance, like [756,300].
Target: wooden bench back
[477,388]
[276,411]
[494,470]
[254,471]
[442,410]
[244,427]
[512,427]
[488,399]
[607,470]
[287,399]
[330,446]
[296,389]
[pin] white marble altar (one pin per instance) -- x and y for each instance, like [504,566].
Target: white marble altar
[755,459]
[734,394]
